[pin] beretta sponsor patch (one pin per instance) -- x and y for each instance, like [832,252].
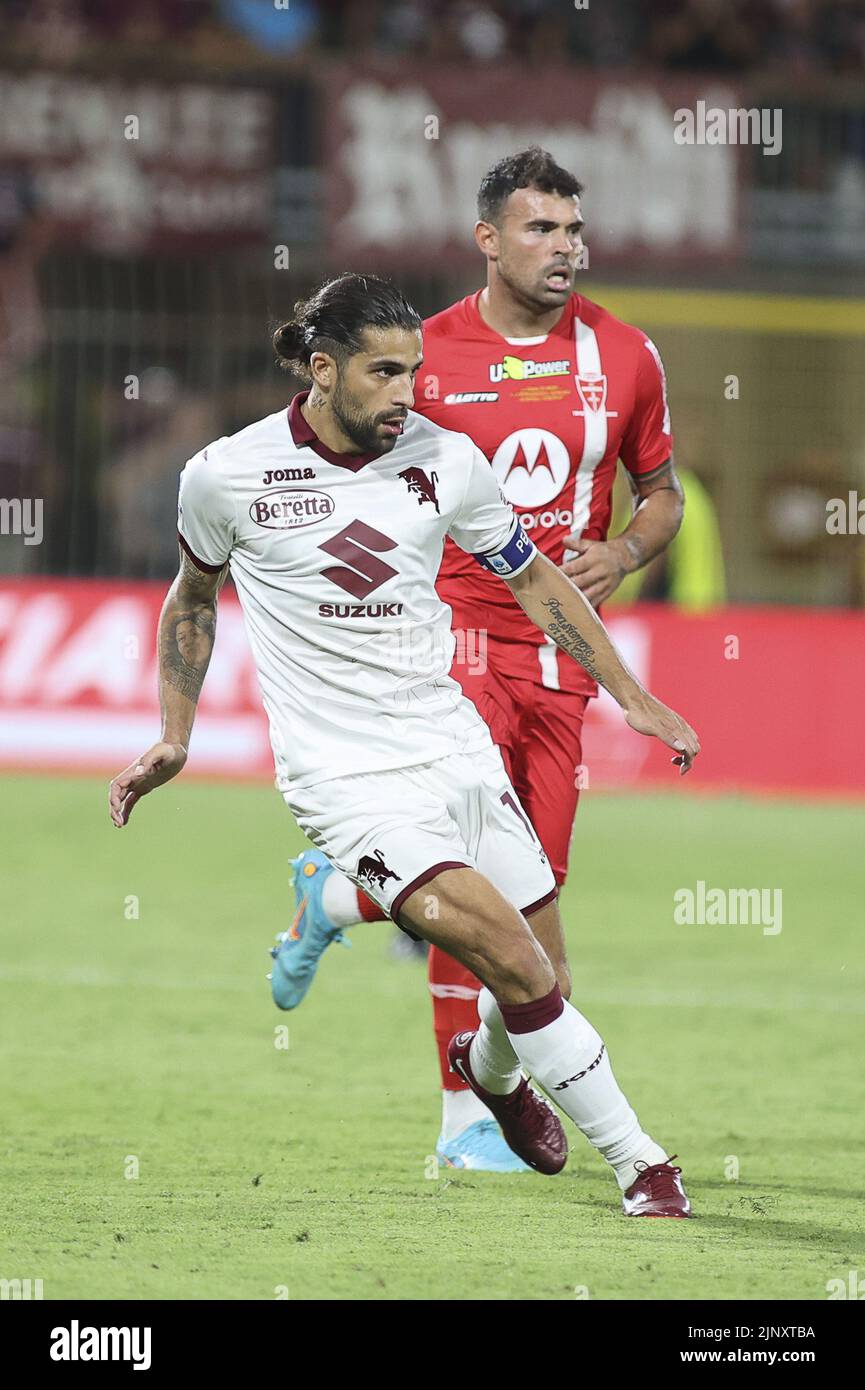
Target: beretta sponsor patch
[286,511]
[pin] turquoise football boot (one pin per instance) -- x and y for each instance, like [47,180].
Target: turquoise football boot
[481,1146]
[295,959]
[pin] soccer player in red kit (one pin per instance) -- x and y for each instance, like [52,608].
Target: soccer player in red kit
[554,390]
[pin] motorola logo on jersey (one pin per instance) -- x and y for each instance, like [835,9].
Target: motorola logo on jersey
[285,511]
[562,516]
[531,466]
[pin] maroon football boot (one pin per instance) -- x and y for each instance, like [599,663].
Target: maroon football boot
[657,1191]
[531,1127]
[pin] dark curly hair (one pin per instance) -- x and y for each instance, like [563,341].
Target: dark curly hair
[333,319]
[531,168]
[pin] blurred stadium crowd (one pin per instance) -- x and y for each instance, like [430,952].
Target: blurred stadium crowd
[798,37]
[153,260]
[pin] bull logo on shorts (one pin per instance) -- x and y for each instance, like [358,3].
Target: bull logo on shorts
[375,870]
[423,487]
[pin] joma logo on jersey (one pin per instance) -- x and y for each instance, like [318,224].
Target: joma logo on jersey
[288,475]
[285,511]
[423,487]
[521,369]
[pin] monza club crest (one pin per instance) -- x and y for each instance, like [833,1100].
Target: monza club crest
[592,387]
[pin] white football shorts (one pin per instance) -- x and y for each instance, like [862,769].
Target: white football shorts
[391,832]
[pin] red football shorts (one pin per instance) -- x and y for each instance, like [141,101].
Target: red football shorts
[539,733]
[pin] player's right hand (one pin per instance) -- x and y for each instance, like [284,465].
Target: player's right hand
[649,716]
[159,764]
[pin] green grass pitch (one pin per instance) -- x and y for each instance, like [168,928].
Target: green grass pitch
[157,1143]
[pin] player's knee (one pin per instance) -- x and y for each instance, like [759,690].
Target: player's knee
[517,967]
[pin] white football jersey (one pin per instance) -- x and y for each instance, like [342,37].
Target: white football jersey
[334,558]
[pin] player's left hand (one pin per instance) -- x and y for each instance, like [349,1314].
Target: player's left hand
[158,765]
[597,567]
[648,715]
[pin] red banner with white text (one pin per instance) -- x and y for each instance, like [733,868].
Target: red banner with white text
[406,148]
[126,166]
[773,692]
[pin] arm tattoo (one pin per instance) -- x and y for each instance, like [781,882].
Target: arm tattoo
[185,647]
[657,475]
[194,584]
[566,636]
[188,628]
[635,548]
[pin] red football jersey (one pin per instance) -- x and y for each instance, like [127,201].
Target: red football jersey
[553,414]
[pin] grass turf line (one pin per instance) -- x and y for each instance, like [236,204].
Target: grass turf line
[265,1172]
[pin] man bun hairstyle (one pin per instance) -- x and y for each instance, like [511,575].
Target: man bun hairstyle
[333,319]
[531,168]
[288,342]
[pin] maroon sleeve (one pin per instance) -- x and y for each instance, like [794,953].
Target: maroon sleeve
[199,564]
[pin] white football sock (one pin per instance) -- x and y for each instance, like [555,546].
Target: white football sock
[459,1110]
[339,900]
[568,1059]
[494,1063]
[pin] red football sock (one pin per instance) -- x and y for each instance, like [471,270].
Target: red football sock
[369,911]
[454,992]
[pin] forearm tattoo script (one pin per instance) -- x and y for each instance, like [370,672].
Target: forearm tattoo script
[566,636]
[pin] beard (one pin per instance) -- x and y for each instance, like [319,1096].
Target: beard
[359,428]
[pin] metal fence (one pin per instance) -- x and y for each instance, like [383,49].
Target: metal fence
[118,364]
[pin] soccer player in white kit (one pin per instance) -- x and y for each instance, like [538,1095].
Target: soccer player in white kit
[331,517]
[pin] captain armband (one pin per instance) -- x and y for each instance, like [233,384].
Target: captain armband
[512,558]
